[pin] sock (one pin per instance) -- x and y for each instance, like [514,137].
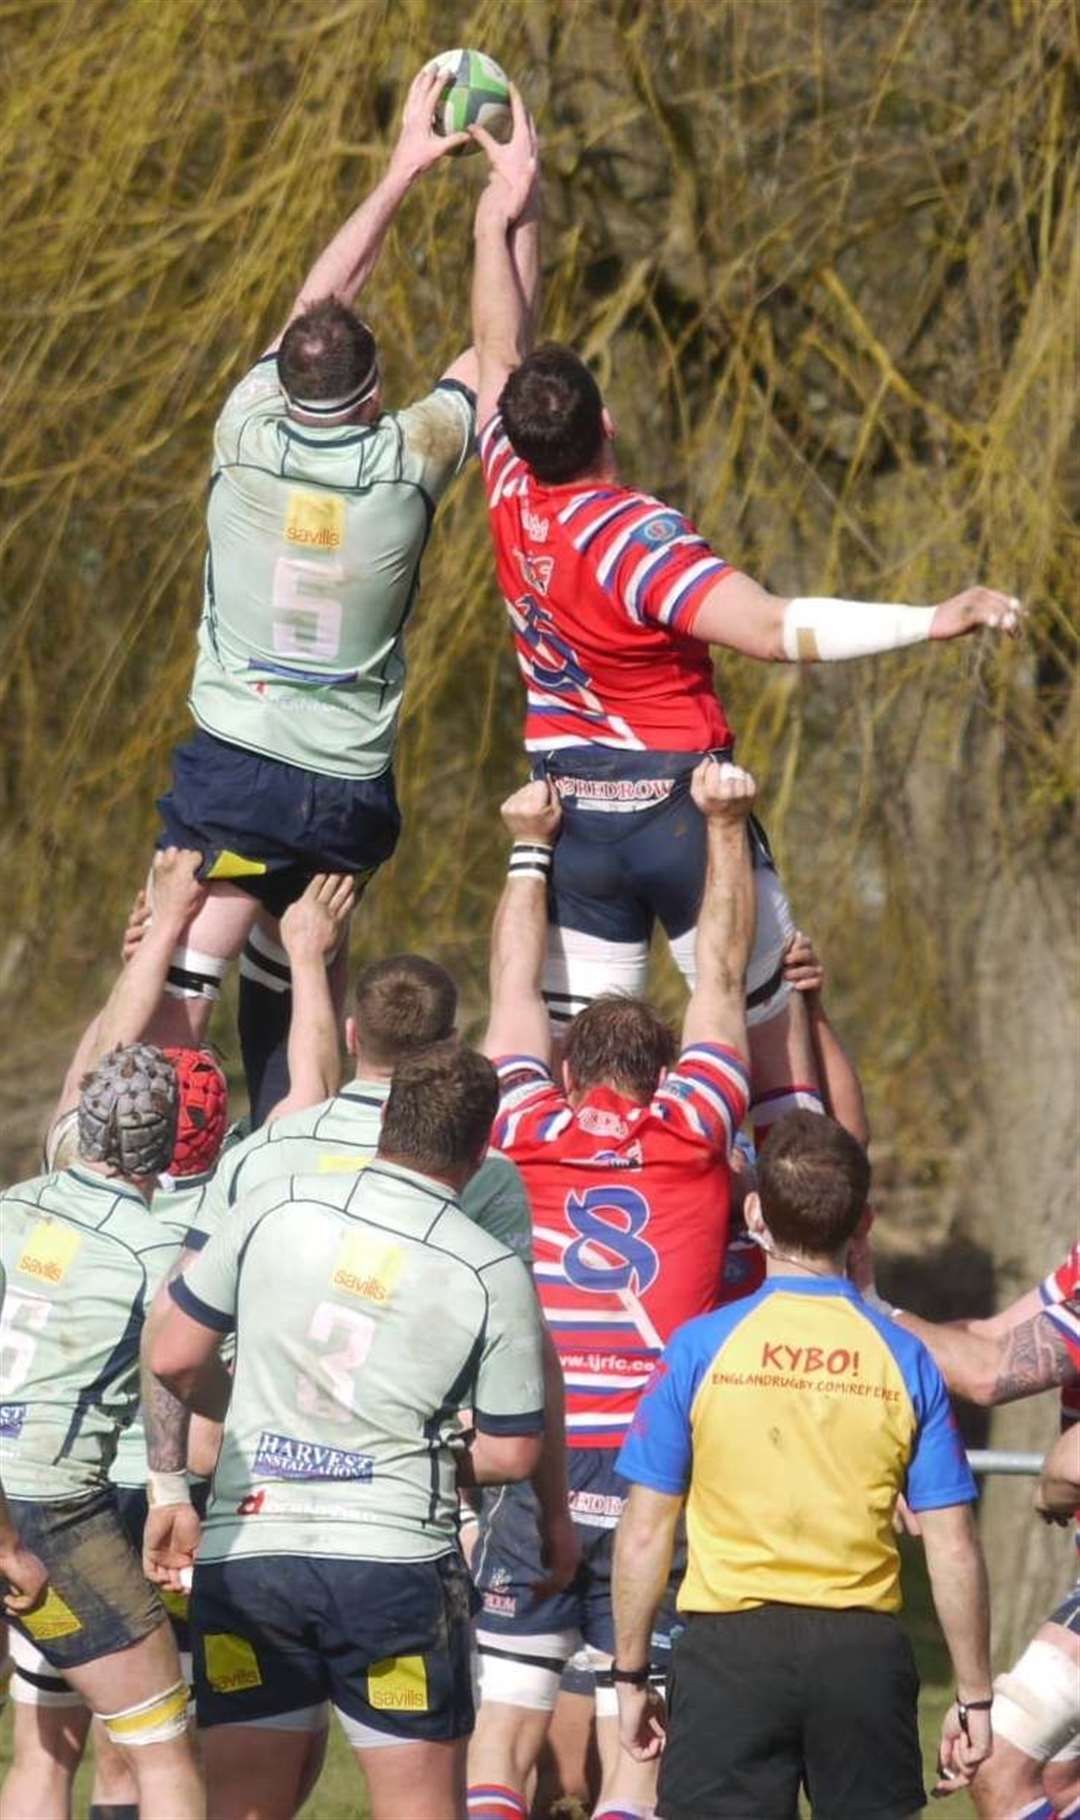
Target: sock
[766,1108]
[625,1810]
[108,1810]
[264,1011]
[494,1801]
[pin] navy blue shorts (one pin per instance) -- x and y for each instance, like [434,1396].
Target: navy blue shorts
[386,1642]
[632,853]
[268,826]
[507,1565]
[99,1601]
[632,847]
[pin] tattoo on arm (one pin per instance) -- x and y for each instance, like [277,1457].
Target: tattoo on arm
[1034,1357]
[166,1421]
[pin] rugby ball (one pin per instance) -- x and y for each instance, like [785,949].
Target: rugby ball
[479,95]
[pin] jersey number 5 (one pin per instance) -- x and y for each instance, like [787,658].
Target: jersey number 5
[327,1388]
[23,1319]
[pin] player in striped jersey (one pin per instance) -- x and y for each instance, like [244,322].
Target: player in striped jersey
[614,598]
[1031,1346]
[627,1172]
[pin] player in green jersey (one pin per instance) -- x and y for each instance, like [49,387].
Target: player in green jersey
[367,1311]
[401,1006]
[83,1256]
[22,1574]
[320,508]
[51,1719]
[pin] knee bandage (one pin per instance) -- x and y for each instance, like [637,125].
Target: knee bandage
[1037,1704]
[266,962]
[193,974]
[154,1721]
[523,1671]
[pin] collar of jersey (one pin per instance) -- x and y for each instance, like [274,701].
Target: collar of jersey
[814,1286]
[107,1184]
[370,1090]
[413,1177]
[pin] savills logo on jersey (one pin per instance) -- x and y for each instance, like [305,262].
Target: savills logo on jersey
[367,1267]
[48,1251]
[314,521]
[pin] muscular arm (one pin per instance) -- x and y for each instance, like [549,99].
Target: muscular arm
[498,1459]
[997,1368]
[741,614]
[961,1593]
[506,268]
[841,1087]
[716,1012]
[347,262]
[644,1545]
[518,1020]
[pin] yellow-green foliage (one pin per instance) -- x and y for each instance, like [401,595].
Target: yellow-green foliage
[825,258]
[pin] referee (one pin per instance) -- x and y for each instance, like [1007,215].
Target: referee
[789,1423]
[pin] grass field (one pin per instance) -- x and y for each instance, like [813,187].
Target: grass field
[339,1795]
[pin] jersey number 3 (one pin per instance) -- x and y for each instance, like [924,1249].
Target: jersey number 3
[327,1387]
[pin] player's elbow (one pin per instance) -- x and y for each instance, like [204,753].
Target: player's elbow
[164,1355]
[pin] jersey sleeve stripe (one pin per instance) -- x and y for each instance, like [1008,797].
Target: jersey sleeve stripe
[606,566]
[508,471]
[685,1110]
[530,1423]
[195,1239]
[517,1064]
[677,596]
[491,430]
[198,1310]
[591,531]
[579,502]
[654,561]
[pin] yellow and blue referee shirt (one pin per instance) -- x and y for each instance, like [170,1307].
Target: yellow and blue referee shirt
[792,1420]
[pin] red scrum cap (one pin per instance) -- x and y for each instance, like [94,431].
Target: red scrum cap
[204,1111]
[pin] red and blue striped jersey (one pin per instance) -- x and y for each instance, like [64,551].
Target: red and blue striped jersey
[1060,1293]
[630,1208]
[602,585]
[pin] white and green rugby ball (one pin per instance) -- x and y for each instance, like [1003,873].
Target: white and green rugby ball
[478,96]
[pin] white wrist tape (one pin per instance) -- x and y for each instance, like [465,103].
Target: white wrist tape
[817,630]
[530,859]
[167,1488]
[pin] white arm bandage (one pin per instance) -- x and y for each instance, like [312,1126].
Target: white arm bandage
[817,630]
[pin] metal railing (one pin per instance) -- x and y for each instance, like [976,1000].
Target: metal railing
[986,1460]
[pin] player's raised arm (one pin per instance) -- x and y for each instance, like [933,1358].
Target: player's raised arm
[518,1020]
[313,928]
[741,614]
[725,932]
[345,265]
[506,270]
[175,895]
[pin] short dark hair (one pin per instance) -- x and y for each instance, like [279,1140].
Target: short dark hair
[619,1042]
[554,414]
[325,353]
[441,1108]
[814,1180]
[403,1004]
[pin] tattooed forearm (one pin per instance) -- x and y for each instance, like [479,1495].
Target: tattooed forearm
[1034,1357]
[166,1421]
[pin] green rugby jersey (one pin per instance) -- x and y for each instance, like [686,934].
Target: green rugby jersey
[339,1137]
[83,1256]
[367,1311]
[176,1206]
[315,540]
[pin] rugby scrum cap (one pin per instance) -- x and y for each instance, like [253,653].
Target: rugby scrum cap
[128,1109]
[204,1111]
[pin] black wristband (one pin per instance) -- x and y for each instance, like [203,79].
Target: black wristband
[631,1677]
[964,1707]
